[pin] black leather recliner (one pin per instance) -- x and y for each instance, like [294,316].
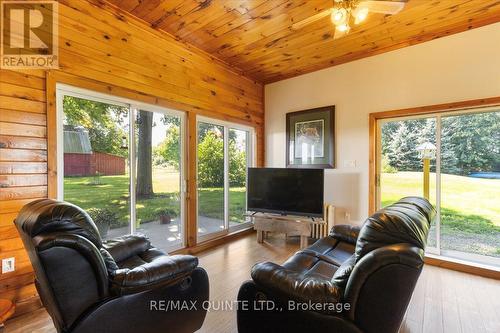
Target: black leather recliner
[121,285]
[355,280]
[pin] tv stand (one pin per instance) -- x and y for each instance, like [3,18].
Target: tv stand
[286,224]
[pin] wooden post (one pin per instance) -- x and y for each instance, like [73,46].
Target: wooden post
[191,197]
[427,169]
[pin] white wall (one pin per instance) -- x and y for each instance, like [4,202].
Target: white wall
[455,68]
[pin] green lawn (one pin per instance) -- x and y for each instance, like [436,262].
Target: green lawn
[113,193]
[470,213]
[211,203]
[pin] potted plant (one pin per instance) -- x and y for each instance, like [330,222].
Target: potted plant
[167,215]
[103,219]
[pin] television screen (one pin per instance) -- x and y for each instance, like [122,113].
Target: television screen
[285,191]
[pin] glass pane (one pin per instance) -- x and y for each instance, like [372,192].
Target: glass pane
[158,179]
[470,187]
[96,162]
[403,162]
[238,163]
[210,178]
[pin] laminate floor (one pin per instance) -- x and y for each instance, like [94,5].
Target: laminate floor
[444,300]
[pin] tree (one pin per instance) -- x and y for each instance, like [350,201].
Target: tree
[469,143]
[402,153]
[472,142]
[204,128]
[237,165]
[105,123]
[211,160]
[449,159]
[387,132]
[144,187]
[168,152]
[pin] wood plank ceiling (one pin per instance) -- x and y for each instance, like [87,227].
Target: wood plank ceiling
[255,35]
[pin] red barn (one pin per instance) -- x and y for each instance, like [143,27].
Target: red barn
[80,160]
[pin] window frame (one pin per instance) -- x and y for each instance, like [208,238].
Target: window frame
[134,106]
[251,162]
[437,111]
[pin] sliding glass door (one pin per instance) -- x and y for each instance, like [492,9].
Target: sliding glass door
[224,153]
[402,165]
[95,161]
[239,159]
[454,160]
[470,186]
[211,179]
[158,155]
[123,164]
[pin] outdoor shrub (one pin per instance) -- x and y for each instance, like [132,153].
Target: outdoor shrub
[168,211]
[386,167]
[211,162]
[103,218]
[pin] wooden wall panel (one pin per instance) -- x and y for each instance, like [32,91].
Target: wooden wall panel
[23,169]
[104,50]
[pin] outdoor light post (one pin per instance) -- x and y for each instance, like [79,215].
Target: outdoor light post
[426,151]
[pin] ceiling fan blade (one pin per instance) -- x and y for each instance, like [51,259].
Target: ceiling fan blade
[384,7]
[312,19]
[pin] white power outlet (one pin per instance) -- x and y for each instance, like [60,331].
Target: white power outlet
[8,265]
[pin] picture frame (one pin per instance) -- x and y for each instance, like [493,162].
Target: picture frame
[310,138]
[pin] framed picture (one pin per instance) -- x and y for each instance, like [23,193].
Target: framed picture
[310,138]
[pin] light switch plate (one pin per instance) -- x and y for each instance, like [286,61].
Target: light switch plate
[350,163]
[8,265]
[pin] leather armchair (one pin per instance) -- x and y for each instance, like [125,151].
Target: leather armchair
[354,280]
[88,285]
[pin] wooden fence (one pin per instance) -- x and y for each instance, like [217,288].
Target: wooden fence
[90,164]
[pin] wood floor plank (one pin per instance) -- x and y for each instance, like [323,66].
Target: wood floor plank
[443,301]
[433,311]
[487,312]
[451,318]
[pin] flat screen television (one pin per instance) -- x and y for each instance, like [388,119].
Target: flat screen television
[286,191]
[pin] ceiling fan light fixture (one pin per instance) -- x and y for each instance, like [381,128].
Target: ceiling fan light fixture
[346,13]
[339,16]
[343,27]
[361,15]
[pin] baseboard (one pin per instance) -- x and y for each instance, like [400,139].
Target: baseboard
[463,266]
[27,306]
[215,242]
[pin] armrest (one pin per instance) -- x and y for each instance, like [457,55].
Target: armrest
[127,246]
[295,286]
[162,270]
[346,233]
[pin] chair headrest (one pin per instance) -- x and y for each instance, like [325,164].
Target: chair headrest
[47,215]
[406,221]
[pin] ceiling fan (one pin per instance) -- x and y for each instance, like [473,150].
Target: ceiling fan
[345,12]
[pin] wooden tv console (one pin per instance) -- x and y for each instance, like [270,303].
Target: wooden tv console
[288,225]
